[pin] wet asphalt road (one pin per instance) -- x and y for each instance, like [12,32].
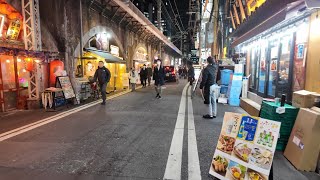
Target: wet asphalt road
[129,138]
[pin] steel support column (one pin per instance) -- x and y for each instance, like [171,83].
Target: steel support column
[32,39]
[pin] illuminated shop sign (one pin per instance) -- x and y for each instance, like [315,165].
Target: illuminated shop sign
[14,29]
[140,55]
[2,18]
[253,4]
[114,50]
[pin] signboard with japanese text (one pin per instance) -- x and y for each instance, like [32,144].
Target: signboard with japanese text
[114,50]
[245,148]
[64,83]
[253,4]
[14,29]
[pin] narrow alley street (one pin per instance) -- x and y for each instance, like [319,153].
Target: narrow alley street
[129,138]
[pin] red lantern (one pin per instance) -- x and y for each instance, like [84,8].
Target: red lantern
[15,15]
[29,64]
[55,67]
[5,9]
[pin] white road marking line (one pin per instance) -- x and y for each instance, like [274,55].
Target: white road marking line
[194,172]
[23,129]
[173,167]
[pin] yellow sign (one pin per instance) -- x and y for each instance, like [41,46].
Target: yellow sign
[14,30]
[253,4]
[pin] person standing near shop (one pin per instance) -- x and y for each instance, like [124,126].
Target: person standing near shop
[190,73]
[103,76]
[149,74]
[133,76]
[158,77]
[143,76]
[209,86]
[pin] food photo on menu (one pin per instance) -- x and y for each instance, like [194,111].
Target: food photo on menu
[236,171]
[242,150]
[254,175]
[261,157]
[226,144]
[219,164]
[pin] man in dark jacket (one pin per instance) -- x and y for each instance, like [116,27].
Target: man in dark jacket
[208,84]
[149,74]
[158,77]
[143,75]
[190,73]
[103,76]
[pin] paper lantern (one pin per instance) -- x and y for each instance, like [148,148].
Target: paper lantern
[55,67]
[5,9]
[15,15]
[29,64]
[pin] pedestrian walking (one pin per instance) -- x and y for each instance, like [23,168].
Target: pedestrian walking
[158,77]
[185,72]
[209,86]
[149,74]
[144,75]
[180,71]
[190,73]
[103,76]
[133,76]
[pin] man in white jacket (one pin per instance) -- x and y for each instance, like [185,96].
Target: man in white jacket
[133,76]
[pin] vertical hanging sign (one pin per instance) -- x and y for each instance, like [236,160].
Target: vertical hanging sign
[243,15]
[14,29]
[236,14]
[232,20]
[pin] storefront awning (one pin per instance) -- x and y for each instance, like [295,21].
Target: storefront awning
[105,55]
[268,15]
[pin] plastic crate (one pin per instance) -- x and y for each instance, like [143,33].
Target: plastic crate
[281,146]
[225,76]
[223,89]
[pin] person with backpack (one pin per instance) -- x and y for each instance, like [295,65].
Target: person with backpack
[103,76]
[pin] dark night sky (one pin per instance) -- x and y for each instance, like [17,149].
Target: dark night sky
[183,7]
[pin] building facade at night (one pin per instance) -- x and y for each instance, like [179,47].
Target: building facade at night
[77,33]
[278,41]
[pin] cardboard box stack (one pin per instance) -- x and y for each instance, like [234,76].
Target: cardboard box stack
[303,146]
[305,99]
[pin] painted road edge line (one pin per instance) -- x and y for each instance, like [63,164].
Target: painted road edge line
[194,172]
[23,129]
[173,167]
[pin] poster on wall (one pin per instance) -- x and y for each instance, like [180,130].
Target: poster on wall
[245,148]
[299,69]
[300,51]
[273,65]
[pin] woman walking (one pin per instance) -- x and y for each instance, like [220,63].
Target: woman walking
[158,77]
[133,76]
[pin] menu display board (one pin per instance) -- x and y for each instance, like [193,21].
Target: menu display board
[245,148]
[64,83]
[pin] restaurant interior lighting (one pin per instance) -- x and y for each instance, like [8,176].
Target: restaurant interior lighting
[19,60]
[2,17]
[8,61]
